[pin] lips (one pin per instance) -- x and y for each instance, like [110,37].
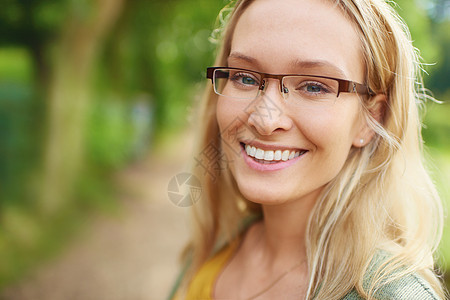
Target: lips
[271,155]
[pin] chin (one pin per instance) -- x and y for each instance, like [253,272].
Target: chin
[267,190]
[263,193]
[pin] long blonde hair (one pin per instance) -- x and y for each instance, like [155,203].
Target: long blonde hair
[383,198]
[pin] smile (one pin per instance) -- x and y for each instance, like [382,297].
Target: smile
[272,155]
[270,159]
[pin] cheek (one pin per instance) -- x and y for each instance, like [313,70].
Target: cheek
[230,113]
[223,113]
[231,118]
[330,130]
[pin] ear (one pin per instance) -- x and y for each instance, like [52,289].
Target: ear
[376,108]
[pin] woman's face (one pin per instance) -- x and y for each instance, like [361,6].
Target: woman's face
[291,37]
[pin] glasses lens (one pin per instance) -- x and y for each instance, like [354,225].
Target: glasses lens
[235,83]
[311,88]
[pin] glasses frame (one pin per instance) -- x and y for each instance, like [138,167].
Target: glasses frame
[345,86]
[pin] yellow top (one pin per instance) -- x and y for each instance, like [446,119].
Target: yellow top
[202,285]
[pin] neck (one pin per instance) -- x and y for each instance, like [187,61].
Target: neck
[284,228]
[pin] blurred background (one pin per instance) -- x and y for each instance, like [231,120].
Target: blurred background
[95,105]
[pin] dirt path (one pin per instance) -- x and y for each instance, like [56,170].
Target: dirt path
[129,256]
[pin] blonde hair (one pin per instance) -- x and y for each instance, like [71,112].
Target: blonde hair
[383,198]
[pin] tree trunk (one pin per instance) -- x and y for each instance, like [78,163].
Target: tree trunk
[72,62]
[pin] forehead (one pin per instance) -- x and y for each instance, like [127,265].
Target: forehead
[283,36]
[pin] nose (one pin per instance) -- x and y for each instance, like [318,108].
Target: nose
[267,112]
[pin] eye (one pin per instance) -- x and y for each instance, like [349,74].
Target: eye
[314,88]
[244,79]
[248,80]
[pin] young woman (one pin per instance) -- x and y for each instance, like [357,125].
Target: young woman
[316,189]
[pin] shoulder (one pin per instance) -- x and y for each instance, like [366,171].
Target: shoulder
[410,287]
[202,284]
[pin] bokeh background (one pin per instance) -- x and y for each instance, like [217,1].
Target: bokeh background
[96,101]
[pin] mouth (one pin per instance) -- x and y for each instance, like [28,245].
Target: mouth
[271,156]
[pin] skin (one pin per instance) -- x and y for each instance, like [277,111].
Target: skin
[284,37]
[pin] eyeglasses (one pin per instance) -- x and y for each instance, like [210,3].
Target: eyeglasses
[247,84]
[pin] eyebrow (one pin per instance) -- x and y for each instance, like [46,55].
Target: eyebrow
[240,56]
[299,64]
[319,64]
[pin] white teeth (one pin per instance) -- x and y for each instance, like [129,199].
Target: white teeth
[277,155]
[285,155]
[291,155]
[271,155]
[259,153]
[268,155]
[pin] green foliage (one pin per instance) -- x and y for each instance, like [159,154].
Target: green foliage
[27,238]
[110,134]
[163,56]
[440,73]
[420,24]
[16,66]
[144,81]
[437,126]
[30,22]
[17,139]
[431,37]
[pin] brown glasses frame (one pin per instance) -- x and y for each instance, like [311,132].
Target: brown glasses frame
[345,86]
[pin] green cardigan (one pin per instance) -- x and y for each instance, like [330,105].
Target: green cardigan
[410,287]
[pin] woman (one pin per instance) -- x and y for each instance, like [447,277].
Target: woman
[319,190]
